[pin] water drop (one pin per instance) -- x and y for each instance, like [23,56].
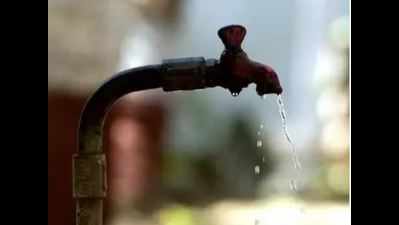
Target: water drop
[261,126]
[257,169]
[297,163]
[258,143]
[258,133]
[263,97]
[263,159]
[293,186]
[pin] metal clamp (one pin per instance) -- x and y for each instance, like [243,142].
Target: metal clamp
[184,74]
[89,176]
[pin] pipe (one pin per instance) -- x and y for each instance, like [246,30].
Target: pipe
[95,110]
[234,71]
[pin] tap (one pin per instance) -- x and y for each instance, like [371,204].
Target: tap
[238,70]
[233,71]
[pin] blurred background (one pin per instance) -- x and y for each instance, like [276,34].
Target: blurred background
[187,158]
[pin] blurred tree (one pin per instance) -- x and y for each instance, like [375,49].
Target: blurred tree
[226,171]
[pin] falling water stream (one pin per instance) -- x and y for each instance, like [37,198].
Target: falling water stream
[283,116]
[296,162]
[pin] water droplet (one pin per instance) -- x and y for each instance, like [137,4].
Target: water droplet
[234,94]
[293,186]
[263,97]
[257,169]
[263,159]
[258,143]
[297,163]
[258,133]
[261,126]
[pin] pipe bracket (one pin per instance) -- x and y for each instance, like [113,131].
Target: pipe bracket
[184,74]
[89,176]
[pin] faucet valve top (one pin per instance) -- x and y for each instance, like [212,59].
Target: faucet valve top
[232,37]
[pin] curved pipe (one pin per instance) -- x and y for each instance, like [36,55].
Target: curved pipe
[89,168]
[95,110]
[89,165]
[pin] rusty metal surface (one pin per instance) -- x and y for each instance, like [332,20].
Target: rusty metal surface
[89,173]
[89,211]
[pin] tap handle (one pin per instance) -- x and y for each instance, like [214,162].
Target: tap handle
[232,36]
